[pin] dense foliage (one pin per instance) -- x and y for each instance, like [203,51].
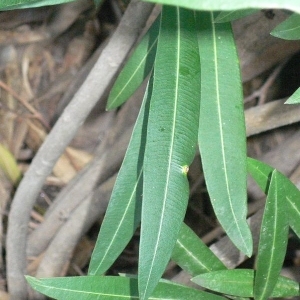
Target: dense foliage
[191,99]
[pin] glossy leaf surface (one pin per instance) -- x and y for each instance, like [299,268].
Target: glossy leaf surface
[18,4]
[261,173]
[240,282]
[222,134]
[228,16]
[136,69]
[192,255]
[295,98]
[123,214]
[108,288]
[273,239]
[288,29]
[217,5]
[171,142]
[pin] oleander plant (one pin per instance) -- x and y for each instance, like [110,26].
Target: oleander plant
[193,99]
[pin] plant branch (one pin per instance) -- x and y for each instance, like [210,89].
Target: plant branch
[62,133]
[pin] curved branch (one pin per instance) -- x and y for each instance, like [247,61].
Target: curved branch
[62,133]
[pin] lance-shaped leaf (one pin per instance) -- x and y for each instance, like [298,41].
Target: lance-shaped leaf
[123,214]
[108,288]
[222,133]
[295,98]
[18,4]
[217,5]
[272,241]
[192,255]
[98,3]
[136,69]
[228,16]
[261,173]
[240,282]
[288,29]
[171,142]
[9,166]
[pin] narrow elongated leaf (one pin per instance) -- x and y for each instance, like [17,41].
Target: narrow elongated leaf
[261,174]
[273,240]
[217,5]
[171,142]
[98,3]
[222,132]
[192,255]
[9,166]
[237,298]
[136,69]
[240,282]
[228,16]
[293,204]
[18,4]
[123,214]
[108,288]
[295,98]
[288,29]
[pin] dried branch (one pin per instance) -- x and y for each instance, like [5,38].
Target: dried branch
[62,133]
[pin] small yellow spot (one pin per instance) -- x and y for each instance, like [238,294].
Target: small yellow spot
[185,169]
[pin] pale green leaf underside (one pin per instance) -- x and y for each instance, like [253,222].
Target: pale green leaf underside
[295,98]
[192,255]
[288,29]
[18,4]
[136,69]
[217,5]
[123,214]
[273,239]
[222,134]
[261,173]
[240,282]
[228,16]
[108,288]
[171,142]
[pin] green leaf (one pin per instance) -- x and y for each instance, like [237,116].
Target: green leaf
[261,173]
[192,255]
[288,29]
[295,98]
[293,201]
[222,131]
[273,239]
[108,288]
[228,16]
[239,282]
[218,5]
[171,142]
[123,214]
[136,69]
[18,4]
[98,3]
[9,165]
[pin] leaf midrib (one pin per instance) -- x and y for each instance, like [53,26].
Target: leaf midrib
[121,221]
[171,151]
[220,125]
[133,74]
[274,240]
[193,256]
